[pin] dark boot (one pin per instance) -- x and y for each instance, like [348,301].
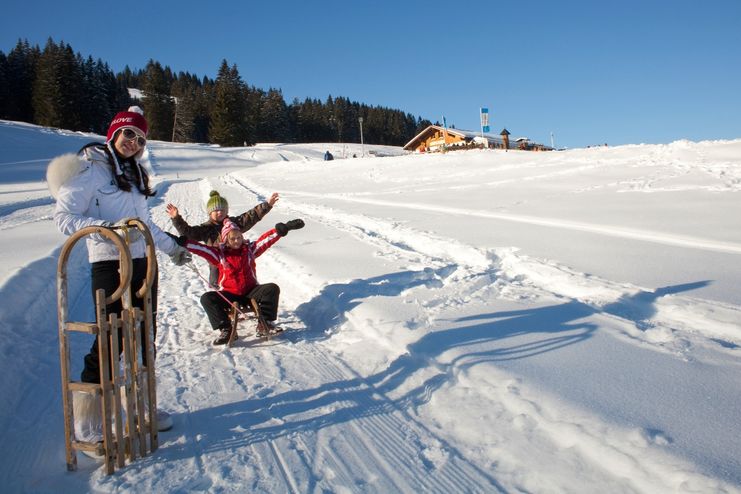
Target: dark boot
[223,337]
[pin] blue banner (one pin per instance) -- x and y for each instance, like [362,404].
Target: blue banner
[485,118]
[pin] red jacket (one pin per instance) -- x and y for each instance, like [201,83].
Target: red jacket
[237,270]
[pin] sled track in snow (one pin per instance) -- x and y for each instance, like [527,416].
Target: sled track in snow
[309,435]
[297,440]
[379,422]
[611,231]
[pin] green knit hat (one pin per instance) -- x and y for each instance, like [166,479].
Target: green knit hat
[216,202]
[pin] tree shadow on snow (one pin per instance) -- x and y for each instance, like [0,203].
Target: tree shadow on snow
[410,381]
[329,309]
[640,307]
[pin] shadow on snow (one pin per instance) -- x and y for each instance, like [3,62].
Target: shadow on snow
[489,337]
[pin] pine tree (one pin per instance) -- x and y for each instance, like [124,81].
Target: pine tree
[293,121]
[204,106]
[58,88]
[117,96]
[126,78]
[21,74]
[96,106]
[274,117]
[304,120]
[4,85]
[188,93]
[159,106]
[57,96]
[228,114]
[252,98]
[46,92]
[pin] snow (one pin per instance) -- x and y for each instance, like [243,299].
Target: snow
[476,321]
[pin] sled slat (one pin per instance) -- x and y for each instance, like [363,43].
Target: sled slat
[86,446]
[82,327]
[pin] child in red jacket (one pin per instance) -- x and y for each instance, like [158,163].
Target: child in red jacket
[235,259]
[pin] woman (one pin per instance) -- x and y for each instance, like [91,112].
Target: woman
[103,185]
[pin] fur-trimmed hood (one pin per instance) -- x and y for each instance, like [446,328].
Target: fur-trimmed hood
[61,169]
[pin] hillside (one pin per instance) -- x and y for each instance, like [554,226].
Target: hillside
[476,321]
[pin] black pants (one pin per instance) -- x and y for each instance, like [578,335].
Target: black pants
[105,275]
[217,309]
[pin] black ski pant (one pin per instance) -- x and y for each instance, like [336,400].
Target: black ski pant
[105,275]
[217,309]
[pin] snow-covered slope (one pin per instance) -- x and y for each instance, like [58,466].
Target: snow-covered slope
[468,322]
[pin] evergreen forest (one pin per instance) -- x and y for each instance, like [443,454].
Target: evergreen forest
[57,87]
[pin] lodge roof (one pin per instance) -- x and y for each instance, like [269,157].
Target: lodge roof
[469,136]
[465,134]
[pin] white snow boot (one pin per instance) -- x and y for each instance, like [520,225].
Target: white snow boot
[164,421]
[88,420]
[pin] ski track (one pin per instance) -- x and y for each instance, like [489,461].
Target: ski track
[612,231]
[390,450]
[547,278]
[622,302]
[373,417]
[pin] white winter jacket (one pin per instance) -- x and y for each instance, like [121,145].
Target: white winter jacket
[92,198]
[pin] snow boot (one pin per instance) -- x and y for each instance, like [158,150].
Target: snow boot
[266,328]
[223,337]
[88,421]
[164,421]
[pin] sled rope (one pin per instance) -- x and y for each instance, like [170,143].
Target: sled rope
[233,304]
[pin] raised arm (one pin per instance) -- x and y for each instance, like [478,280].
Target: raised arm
[210,254]
[268,238]
[199,233]
[248,219]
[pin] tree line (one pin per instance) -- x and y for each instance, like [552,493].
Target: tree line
[57,87]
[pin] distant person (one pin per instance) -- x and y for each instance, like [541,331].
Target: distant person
[328,156]
[235,260]
[105,185]
[209,232]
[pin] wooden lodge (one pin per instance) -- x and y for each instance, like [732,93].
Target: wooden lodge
[435,138]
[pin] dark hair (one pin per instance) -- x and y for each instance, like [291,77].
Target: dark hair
[123,183]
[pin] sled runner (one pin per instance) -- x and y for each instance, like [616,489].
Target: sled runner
[129,425]
[264,329]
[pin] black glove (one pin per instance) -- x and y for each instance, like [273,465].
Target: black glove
[180,256]
[283,228]
[181,240]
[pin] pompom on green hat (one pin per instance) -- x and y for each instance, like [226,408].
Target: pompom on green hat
[216,202]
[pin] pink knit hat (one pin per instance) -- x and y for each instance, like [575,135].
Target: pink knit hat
[228,226]
[133,119]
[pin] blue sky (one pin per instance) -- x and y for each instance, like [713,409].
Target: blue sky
[590,72]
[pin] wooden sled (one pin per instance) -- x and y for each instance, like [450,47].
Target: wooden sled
[135,430]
